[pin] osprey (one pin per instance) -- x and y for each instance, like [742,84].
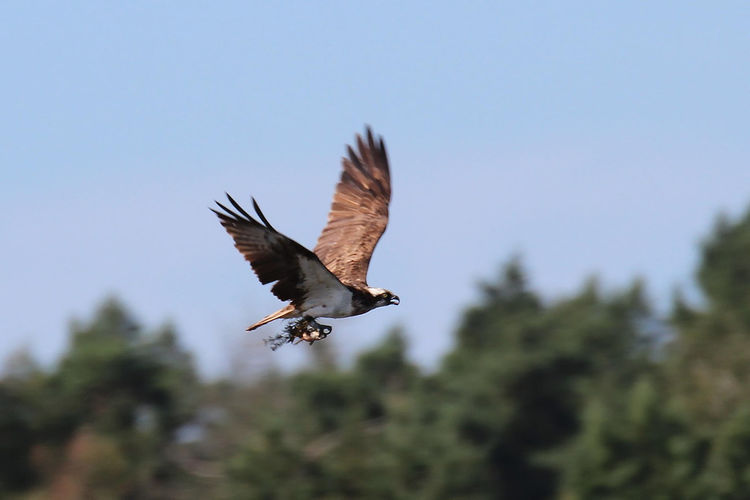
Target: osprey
[330,281]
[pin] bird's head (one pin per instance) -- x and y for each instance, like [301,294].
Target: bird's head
[384,297]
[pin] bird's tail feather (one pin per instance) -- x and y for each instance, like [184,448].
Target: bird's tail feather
[285,312]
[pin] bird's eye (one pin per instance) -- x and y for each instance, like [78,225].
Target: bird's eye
[384,296]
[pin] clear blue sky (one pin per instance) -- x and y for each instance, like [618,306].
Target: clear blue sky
[590,137]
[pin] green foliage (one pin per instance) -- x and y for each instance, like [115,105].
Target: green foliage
[332,441]
[17,438]
[640,448]
[682,430]
[590,396]
[101,424]
[728,474]
[517,378]
[724,273]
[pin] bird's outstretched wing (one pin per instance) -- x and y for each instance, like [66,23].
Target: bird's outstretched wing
[359,212]
[297,271]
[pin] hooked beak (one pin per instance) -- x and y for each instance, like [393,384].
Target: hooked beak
[395,300]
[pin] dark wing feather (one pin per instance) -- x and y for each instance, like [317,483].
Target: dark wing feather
[274,257]
[359,212]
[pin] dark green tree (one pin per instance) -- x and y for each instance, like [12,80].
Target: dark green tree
[641,447]
[682,432]
[118,397]
[517,381]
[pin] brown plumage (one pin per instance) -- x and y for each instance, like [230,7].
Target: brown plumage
[332,280]
[359,212]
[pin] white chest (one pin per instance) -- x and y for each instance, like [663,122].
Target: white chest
[327,297]
[330,304]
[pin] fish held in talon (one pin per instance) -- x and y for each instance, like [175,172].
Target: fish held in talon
[331,280]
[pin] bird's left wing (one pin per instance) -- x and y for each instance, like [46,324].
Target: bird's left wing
[297,271]
[359,212]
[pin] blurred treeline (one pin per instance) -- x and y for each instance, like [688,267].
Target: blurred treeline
[592,396]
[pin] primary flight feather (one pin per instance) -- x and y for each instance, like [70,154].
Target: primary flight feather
[330,281]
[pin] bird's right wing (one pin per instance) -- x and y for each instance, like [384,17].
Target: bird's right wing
[297,271]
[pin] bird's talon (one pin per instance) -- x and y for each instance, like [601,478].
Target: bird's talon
[258,242]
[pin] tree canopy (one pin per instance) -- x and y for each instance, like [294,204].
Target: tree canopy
[590,396]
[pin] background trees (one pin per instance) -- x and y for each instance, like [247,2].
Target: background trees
[103,422]
[588,396]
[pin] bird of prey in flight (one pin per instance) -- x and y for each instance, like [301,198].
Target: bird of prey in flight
[330,281]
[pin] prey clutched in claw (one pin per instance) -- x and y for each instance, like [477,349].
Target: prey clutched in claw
[329,281]
[305,329]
